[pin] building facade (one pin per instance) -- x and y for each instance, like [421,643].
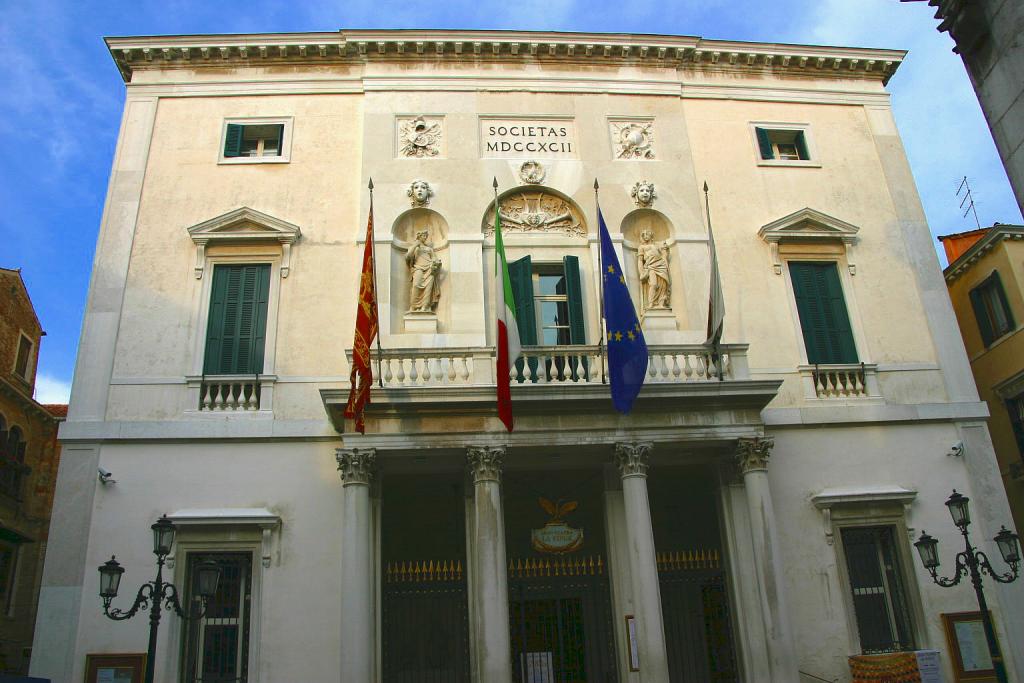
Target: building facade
[752,517]
[29,457]
[986,284]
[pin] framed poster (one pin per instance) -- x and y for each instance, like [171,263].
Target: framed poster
[116,668]
[968,647]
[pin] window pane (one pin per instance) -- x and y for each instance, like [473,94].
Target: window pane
[21,366]
[217,646]
[551,284]
[879,602]
[785,150]
[554,313]
[555,336]
[250,148]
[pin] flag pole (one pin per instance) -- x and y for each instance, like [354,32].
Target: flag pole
[716,354]
[494,184]
[373,269]
[600,285]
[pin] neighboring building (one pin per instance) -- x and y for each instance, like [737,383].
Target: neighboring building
[985,277]
[753,516]
[29,455]
[987,36]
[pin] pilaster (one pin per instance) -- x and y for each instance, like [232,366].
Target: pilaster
[358,594]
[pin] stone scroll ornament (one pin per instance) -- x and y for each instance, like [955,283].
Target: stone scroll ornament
[424,274]
[420,138]
[633,139]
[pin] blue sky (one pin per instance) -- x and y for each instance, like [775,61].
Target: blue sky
[64,97]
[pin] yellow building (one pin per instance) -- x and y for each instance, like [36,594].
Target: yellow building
[985,277]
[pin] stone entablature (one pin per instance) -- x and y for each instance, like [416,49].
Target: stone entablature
[359,46]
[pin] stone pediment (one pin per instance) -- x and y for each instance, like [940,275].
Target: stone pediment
[244,226]
[809,226]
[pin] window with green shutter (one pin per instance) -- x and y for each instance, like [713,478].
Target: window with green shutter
[991,309]
[782,144]
[256,140]
[828,336]
[236,331]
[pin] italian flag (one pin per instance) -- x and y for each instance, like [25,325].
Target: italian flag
[508,331]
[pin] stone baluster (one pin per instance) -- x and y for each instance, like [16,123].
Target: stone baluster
[356,466]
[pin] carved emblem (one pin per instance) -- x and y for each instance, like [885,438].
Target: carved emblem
[532,172]
[356,465]
[752,453]
[485,462]
[633,140]
[420,138]
[419,193]
[536,212]
[643,194]
[632,458]
[556,536]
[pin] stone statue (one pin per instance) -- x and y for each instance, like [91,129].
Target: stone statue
[424,274]
[652,262]
[643,193]
[419,193]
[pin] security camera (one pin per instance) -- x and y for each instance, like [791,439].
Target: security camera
[106,477]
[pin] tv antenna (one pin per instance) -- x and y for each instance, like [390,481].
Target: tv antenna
[967,201]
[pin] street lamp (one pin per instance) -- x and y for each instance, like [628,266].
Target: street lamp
[155,592]
[974,562]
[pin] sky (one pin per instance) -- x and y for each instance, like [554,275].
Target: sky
[63,102]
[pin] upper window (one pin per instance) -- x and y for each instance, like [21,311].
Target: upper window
[21,362]
[828,336]
[217,646]
[549,303]
[876,582]
[236,331]
[1015,406]
[256,140]
[991,309]
[783,144]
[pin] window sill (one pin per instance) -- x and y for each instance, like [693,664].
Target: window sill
[808,163]
[252,160]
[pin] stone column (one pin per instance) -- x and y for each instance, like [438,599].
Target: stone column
[489,590]
[752,455]
[357,586]
[632,461]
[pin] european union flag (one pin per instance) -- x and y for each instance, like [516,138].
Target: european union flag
[627,349]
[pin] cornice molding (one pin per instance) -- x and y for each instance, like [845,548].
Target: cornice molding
[244,226]
[130,53]
[995,235]
[809,226]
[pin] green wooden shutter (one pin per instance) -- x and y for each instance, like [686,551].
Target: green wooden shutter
[236,332]
[828,336]
[981,315]
[233,141]
[997,284]
[801,145]
[574,293]
[521,275]
[764,143]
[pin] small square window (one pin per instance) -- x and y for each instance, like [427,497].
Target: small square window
[783,144]
[21,362]
[256,141]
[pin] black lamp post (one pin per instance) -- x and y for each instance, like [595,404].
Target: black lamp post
[155,592]
[974,562]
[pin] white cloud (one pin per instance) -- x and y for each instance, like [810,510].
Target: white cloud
[52,389]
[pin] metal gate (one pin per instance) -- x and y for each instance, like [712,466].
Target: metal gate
[560,621]
[425,623]
[695,608]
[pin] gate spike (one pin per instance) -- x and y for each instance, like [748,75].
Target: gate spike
[600,564]
[458,569]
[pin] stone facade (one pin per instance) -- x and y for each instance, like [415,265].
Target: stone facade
[29,457]
[805,167]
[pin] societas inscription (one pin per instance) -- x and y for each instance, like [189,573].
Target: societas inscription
[542,138]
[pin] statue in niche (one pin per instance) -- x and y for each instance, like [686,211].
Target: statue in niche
[419,193]
[424,274]
[643,194]
[652,262]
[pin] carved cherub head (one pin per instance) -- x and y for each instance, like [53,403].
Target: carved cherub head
[420,192]
[643,193]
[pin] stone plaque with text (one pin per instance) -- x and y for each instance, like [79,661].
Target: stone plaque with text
[534,138]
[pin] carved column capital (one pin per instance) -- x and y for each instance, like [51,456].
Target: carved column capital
[752,453]
[485,462]
[632,458]
[356,465]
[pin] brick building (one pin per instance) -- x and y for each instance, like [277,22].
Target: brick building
[29,454]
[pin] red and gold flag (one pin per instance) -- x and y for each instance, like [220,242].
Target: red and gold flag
[366,332]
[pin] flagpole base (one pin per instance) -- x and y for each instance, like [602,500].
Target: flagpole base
[420,322]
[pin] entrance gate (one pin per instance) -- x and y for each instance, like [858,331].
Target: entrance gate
[425,626]
[560,621]
[695,607]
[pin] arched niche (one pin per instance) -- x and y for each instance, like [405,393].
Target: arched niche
[536,209]
[403,232]
[633,226]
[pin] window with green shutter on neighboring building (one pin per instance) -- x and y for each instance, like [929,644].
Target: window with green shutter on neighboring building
[236,331]
[828,336]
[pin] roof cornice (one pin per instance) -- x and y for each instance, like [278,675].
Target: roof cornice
[995,235]
[356,46]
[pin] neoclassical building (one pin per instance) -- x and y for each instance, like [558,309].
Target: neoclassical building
[750,520]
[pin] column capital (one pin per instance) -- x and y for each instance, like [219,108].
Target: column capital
[356,465]
[485,462]
[632,458]
[752,453]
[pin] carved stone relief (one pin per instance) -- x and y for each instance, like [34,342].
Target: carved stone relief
[356,465]
[537,211]
[532,172]
[643,194]
[419,137]
[633,139]
[419,193]
[485,462]
[752,453]
[632,458]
